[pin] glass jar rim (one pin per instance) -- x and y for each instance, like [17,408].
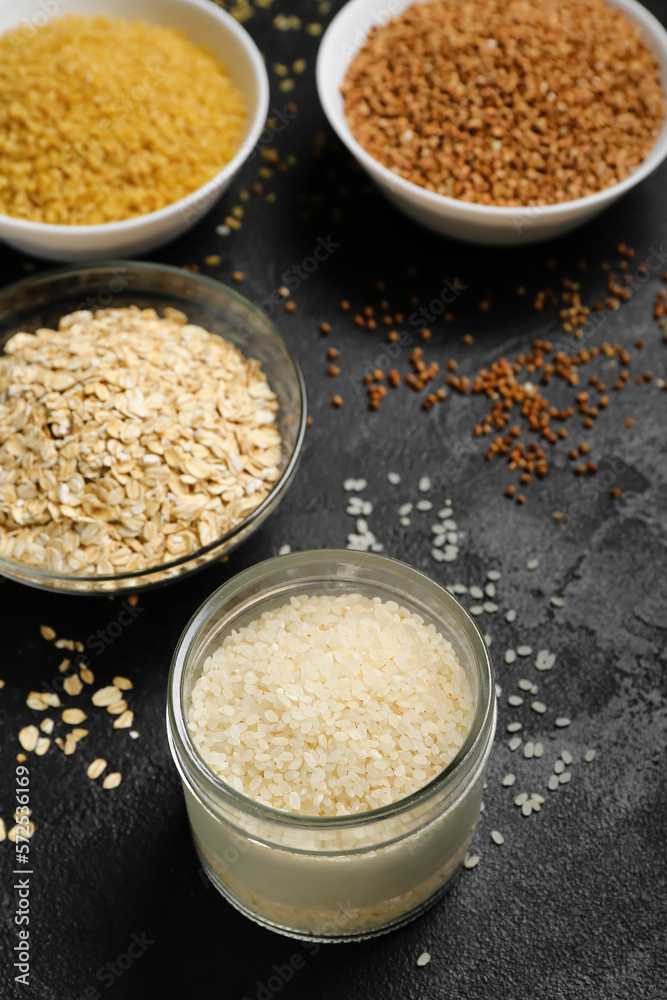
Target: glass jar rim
[182,745]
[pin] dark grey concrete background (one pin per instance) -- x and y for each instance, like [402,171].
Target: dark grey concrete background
[573,904]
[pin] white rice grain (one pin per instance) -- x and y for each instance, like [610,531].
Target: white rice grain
[331,705]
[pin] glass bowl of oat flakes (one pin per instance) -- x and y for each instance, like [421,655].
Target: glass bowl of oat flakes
[150,420]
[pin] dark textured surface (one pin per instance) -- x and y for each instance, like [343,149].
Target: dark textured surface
[572,905]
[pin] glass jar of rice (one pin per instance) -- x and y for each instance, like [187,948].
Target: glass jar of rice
[331,714]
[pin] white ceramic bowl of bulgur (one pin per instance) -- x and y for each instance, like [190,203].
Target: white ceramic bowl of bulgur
[465,189]
[179,115]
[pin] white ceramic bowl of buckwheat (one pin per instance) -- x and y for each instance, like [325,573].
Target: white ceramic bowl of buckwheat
[203,23]
[477,223]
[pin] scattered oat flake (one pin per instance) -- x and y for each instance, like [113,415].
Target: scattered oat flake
[112,780]
[117,708]
[96,767]
[124,721]
[47,632]
[423,959]
[46,725]
[20,832]
[106,696]
[28,737]
[72,685]
[43,744]
[87,676]
[72,716]
[122,683]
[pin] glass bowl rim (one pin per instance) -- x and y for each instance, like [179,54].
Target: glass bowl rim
[182,746]
[47,576]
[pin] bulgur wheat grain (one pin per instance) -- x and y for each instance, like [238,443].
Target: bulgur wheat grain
[104,119]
